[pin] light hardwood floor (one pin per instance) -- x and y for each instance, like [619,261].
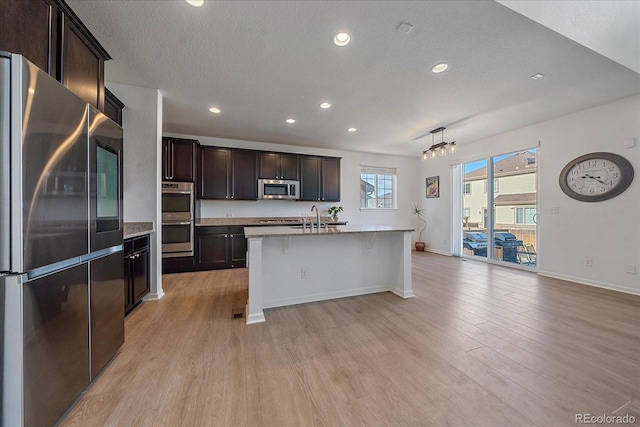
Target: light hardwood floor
[479,345]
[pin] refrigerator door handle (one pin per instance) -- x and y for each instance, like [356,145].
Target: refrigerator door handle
[5,162]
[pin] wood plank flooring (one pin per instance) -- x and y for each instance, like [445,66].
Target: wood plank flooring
[479,345]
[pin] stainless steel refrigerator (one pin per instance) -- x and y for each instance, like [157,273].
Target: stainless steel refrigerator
[61,263]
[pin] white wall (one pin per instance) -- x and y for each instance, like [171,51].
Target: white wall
[142,125]
[608,232]
[350,187]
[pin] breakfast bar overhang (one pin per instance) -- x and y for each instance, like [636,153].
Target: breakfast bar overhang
[295,265]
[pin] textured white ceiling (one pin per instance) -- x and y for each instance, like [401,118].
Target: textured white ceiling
[263,61]
[609,27]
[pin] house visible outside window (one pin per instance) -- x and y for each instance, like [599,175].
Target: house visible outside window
[525,215]
[467,188]
[377,187]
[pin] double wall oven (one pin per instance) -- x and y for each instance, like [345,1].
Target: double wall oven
[177,219]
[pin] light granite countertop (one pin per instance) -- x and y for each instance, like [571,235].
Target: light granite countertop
[250,232]
[136,229]
[262,221]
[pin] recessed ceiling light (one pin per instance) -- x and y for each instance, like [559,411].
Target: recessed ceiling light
[196,3]
[537,76]
[325,105]
[352,130]
[438,68]
[342,39]
[214,110]
[290,121]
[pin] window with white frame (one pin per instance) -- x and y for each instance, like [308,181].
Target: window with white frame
[495,186]
[467,188]
[377,187]
[525,215]
[467,213]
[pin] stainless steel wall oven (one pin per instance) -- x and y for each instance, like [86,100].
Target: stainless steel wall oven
[177,219]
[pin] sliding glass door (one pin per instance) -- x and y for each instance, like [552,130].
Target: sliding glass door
[474,209]
[500,208]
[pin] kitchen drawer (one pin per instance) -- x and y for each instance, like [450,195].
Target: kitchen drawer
[178,265]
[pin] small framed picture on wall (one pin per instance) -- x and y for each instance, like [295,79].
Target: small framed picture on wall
[433,187]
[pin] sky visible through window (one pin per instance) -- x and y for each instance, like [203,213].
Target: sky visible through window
[471,166]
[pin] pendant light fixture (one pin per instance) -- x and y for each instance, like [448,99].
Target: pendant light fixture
[441,148]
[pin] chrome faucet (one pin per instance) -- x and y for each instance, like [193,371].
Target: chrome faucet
[317,216]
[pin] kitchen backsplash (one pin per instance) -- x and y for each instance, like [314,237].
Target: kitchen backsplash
[261,208]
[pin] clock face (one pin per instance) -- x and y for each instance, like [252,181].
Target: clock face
[595,177]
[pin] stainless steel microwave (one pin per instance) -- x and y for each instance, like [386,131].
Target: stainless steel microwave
[278,189]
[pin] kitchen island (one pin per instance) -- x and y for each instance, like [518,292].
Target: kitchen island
[295,265]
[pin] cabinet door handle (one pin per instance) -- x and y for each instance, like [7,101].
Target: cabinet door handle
[230,235]
[166,161]
[172,146]
[226,235]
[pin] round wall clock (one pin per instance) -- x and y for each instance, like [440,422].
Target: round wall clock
[596,176]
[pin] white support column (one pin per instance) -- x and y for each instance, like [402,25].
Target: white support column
[404,289]
[255,314]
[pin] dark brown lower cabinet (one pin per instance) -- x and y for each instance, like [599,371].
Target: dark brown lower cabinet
[219,247]
[136,271]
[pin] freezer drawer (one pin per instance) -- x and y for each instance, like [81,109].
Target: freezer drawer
[56,350]
[107,310]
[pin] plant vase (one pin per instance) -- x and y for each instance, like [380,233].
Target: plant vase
[333,212]
[419,212]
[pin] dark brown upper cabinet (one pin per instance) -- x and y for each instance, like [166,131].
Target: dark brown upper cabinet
[113,107]
[227,174]
[49,34]
[319,178]
[178,159]
[244,181]
[214,165]
[26,29]
[330,168]
[278,166]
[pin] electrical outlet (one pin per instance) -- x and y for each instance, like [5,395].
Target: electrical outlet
[631,269]
[588,262]
[304,274]
[554,210]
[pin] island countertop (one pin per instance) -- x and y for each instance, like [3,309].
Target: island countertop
[250,232]
[260,221]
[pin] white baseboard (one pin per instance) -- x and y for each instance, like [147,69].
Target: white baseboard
[594,283]
[403,294]
[255,318]
[325,296]
[153,296]
[435,251]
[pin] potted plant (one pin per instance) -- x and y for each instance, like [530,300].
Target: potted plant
[419,212]
[333,212]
